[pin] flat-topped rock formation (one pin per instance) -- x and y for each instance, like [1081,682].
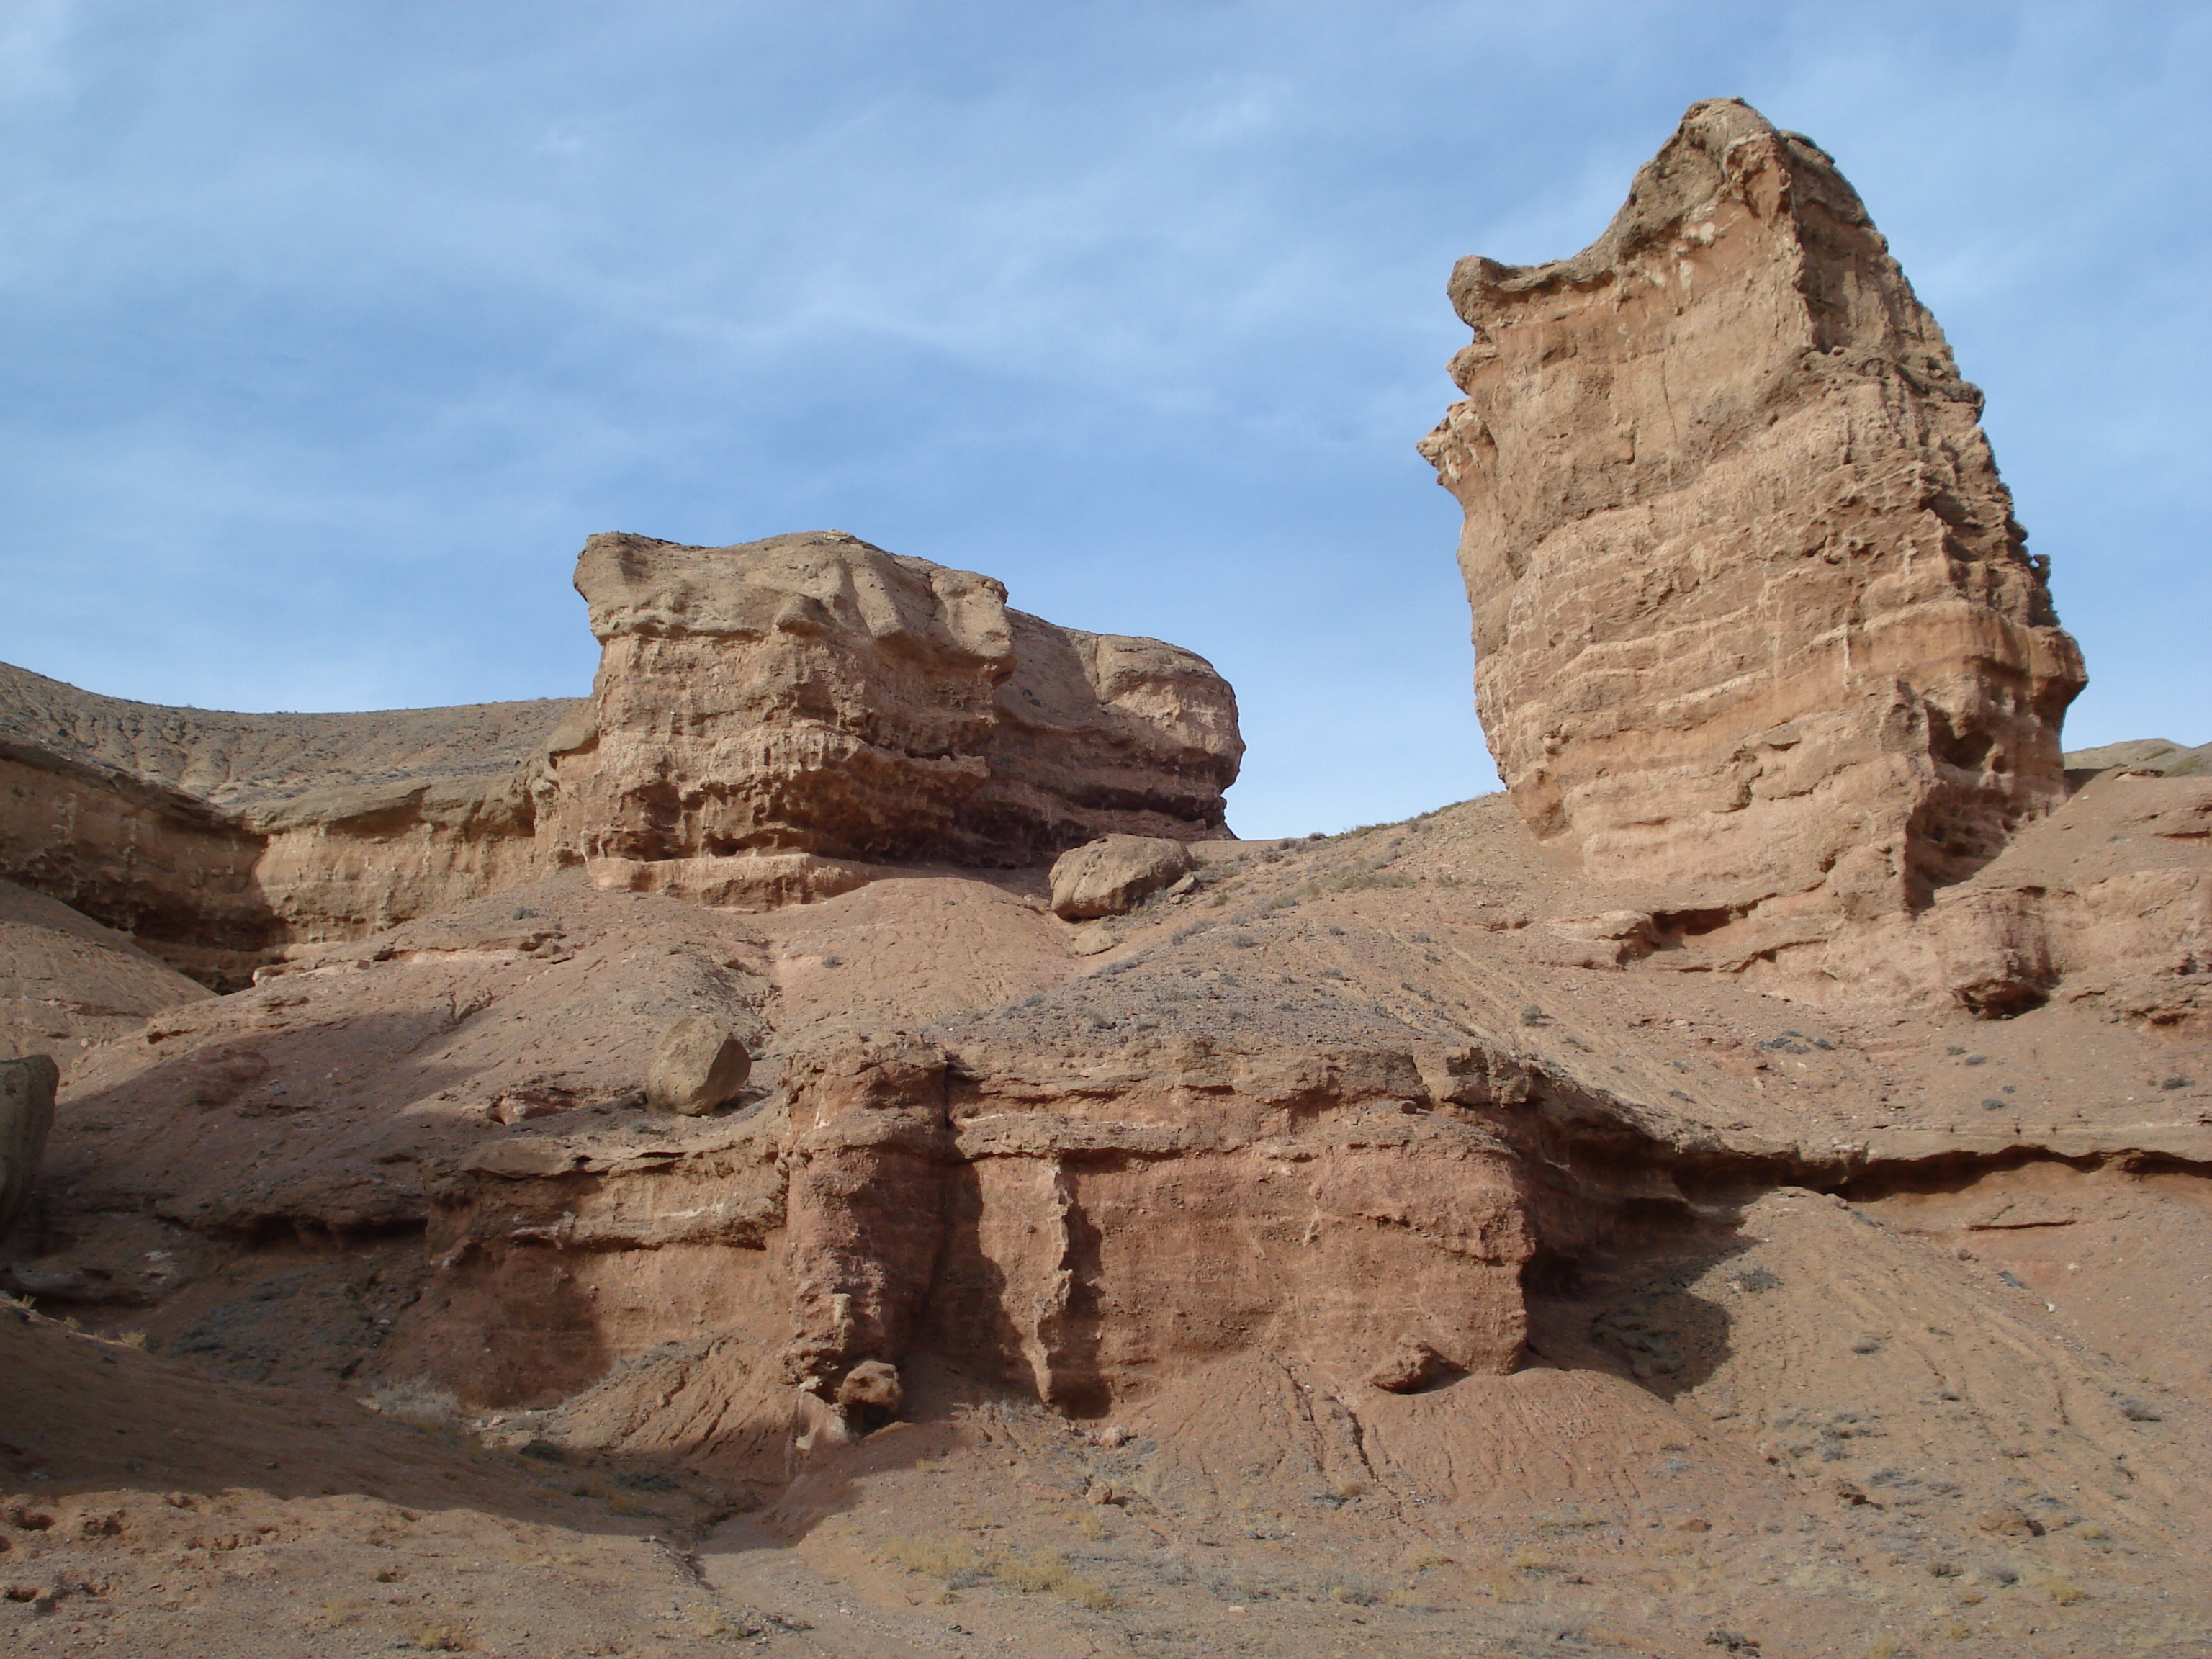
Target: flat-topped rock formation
[769,716]
[770,722]
[1754,624]
[267,768]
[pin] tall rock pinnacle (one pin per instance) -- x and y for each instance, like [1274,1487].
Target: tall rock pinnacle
[1754,621]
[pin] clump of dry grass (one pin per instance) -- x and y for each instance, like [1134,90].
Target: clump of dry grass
[959,1564]
[446,1636]
[415,1401]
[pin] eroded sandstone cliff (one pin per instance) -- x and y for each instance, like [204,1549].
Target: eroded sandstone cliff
[770,722]
[768,719]
[214,840]
[1753,621]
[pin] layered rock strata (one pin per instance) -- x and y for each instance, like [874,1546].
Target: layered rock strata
[214,839]
[1093,1228]
[769,717]
[769,723]
[1754,624]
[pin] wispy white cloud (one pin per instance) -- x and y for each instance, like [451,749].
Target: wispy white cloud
[327,332]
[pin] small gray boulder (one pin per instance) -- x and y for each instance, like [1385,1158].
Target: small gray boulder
[1108,877]
[698,1066]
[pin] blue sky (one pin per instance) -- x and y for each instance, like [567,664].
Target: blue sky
[328,330]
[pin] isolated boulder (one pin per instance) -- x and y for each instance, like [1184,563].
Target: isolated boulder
[874,1383]
[1752,616]
[1408,1368]
[26,1114]
[699,1066]
[1109,877]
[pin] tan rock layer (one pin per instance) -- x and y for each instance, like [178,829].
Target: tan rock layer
[1752,619]
[813,695]
[215,839]
[769,723]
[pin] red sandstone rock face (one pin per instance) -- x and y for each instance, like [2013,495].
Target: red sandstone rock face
[767,716]
[1753,621]
[1091,1231]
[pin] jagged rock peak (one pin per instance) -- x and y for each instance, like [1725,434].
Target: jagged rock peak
[1753,620]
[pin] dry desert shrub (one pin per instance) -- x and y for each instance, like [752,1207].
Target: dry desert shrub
[960,1565]
[446,1636]
[415,1401]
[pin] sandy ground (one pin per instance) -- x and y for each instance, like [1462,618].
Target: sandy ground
[1875,1369]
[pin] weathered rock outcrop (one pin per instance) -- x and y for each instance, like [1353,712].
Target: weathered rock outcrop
[214,839]
[1753,621]
[767,718]
[1091,1229]
[769,723]
[66,981]
[2110,898]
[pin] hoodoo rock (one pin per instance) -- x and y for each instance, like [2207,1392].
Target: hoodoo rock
[769,717]
[1754,624]
[1378,1231]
